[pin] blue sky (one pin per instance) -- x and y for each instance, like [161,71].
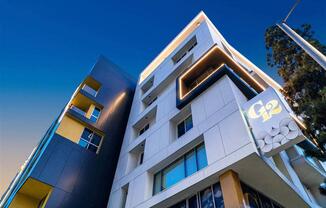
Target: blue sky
[47,47]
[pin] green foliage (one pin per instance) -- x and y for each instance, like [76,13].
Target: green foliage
[304,80]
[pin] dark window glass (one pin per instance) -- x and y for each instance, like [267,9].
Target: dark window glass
[206,198]
[188,123]
[157,183]
[96,139]
[92,148]
[87,134]
[144,129]
[191,164]
[181,129]
[141,158]
[173,174]
[201,157]
[184,126]
[218,197]
[193,202]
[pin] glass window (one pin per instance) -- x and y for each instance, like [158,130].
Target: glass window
[90,140]
[96,114]
[181,168]
[173,174]
[206,198]
[184,126]
[201,157]
[141,158]
[157,183]
[188,123]
[144,129]
[191,164]
[192,202]
[218,197]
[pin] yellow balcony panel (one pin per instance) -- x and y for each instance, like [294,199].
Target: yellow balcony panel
[70,129]
[33,194]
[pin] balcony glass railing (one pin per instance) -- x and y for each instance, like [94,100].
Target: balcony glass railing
[78,110]
[89,90]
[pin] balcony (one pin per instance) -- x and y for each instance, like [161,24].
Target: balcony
[89,90]
[91,86]
[77,110]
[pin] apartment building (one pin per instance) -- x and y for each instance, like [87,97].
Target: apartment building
[209,129]
[74,164]
[202,128]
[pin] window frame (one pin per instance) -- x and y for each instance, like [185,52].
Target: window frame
[96,117]
[183,158]
[184,125]
[88,143]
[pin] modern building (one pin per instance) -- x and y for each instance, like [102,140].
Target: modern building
[209,129]
[74,164]
[202,128]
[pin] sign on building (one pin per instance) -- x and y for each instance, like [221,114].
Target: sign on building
[272,126]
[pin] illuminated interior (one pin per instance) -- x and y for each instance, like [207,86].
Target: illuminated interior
[207,65]
[33,194]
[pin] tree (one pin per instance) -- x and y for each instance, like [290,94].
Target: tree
[304,80]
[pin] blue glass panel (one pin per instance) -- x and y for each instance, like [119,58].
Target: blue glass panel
[96,139]
[83,143]
[191,165]
[188,123]
[201,157]
[173,174]
[206,198]
[218,197]
[86,134]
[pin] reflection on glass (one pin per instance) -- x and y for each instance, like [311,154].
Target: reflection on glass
[218,197]
[157,183]
[191,166]
[201,157]
[173,174]
[206,198]
[181,204]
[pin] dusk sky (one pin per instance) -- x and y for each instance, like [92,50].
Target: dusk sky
[47,48]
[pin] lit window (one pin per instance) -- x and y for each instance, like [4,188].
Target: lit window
[141,131]
[184,126]
[90,140]
[96,114]
[180,169]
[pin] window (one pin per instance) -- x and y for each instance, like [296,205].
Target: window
[96,114]
[184,50]
[145,128]
[141,158]
[180,169]
[148,85]
[184,126]
[90,140]
[211,197]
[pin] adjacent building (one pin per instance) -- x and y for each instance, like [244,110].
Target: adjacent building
[202,128]
[74,164]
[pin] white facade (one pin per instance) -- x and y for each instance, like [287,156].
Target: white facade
[218,122]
